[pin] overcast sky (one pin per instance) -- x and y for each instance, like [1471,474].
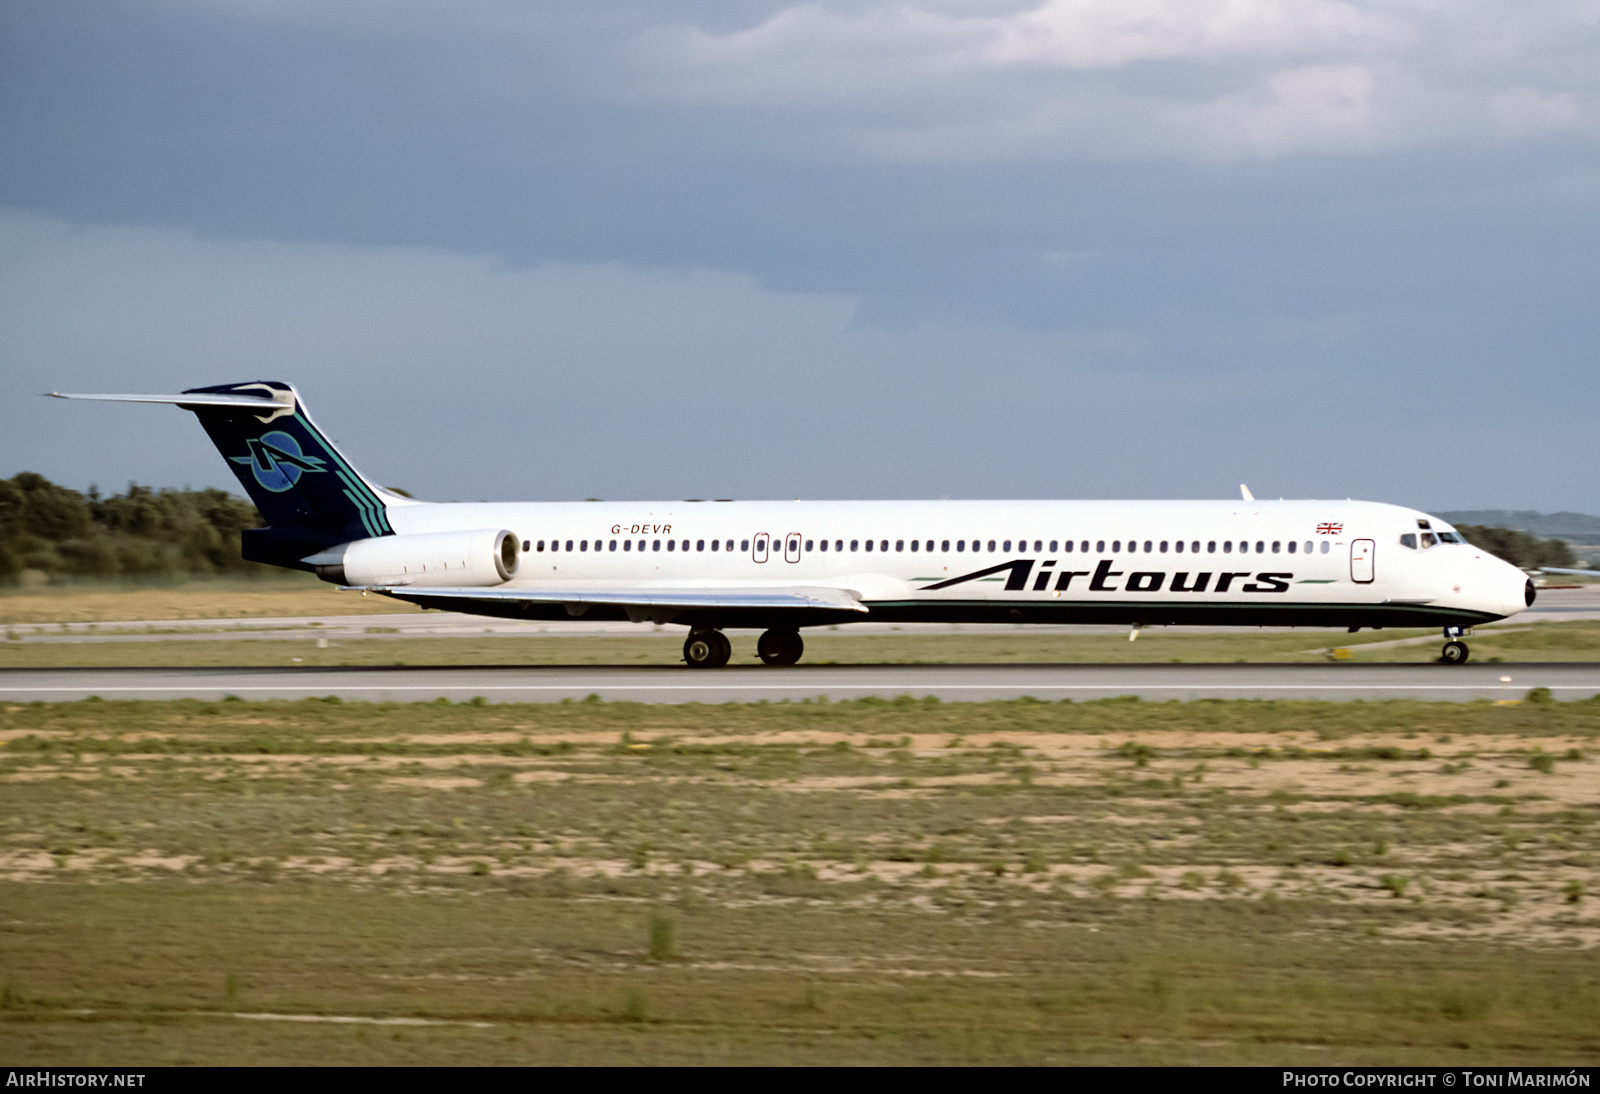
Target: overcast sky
[922,248]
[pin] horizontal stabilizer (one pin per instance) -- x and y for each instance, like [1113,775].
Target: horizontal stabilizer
[252,401]
[644,599]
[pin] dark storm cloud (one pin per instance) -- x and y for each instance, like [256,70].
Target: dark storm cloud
[959,248]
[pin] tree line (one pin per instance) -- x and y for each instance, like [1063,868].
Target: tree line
[141,533]
[1519,548]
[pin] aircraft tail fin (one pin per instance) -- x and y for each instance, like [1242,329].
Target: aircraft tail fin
[303,486]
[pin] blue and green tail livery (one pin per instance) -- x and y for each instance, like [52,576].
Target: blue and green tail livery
[307,492]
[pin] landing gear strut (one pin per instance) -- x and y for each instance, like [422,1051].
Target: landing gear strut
[780,647]
[1455,651]
[707,649]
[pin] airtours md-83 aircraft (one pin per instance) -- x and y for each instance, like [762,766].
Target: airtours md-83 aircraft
[781,566]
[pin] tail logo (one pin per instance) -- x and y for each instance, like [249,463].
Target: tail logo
[277,462]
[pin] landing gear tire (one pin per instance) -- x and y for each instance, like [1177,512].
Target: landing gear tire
[1454,653]
[707,649]
[777,647]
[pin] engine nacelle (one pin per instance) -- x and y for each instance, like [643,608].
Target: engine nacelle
[435,559]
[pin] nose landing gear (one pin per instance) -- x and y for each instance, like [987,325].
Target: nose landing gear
[1455,651]
[707,649]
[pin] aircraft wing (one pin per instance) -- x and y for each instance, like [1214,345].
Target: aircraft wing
[649,602]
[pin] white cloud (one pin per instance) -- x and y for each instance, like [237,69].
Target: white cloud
[1193,79]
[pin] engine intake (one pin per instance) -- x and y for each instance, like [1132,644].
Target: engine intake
[431,559]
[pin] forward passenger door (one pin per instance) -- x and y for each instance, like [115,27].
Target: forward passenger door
[1361,561]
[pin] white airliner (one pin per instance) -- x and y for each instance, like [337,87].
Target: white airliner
[781,566]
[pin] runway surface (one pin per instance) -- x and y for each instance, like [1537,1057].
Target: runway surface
[745,684]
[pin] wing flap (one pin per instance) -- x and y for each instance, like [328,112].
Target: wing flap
[643,598]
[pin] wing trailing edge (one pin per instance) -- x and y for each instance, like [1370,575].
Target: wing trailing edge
[641,602]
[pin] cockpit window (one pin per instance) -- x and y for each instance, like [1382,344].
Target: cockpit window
[1428,540]
[1409,540]
[1449,537]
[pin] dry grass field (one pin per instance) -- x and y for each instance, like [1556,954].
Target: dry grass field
[297,594]
[864,882]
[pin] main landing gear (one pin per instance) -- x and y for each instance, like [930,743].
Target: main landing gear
[1455,651]
[780,647]
[707,649]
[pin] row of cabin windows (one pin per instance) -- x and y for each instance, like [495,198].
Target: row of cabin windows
[1149,546]
[643,544]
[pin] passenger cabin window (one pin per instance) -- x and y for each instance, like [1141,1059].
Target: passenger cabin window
[944,546]
[1325,546]
[1068,546]
[869,545]
[1100,546]
[541,545]
[1006,546]
[655,544]
[526,546]
[961,546]
[1227,547]
[1291,547]
[900,545]
[824,545]
[838,545]
[1178,546]
[1116,546]
[853,544]
[569,545]
[716,544]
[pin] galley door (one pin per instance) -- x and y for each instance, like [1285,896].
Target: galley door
[758,550]
[791,547]
[1361,568]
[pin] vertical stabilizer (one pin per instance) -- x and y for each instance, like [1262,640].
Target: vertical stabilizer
[292,472]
